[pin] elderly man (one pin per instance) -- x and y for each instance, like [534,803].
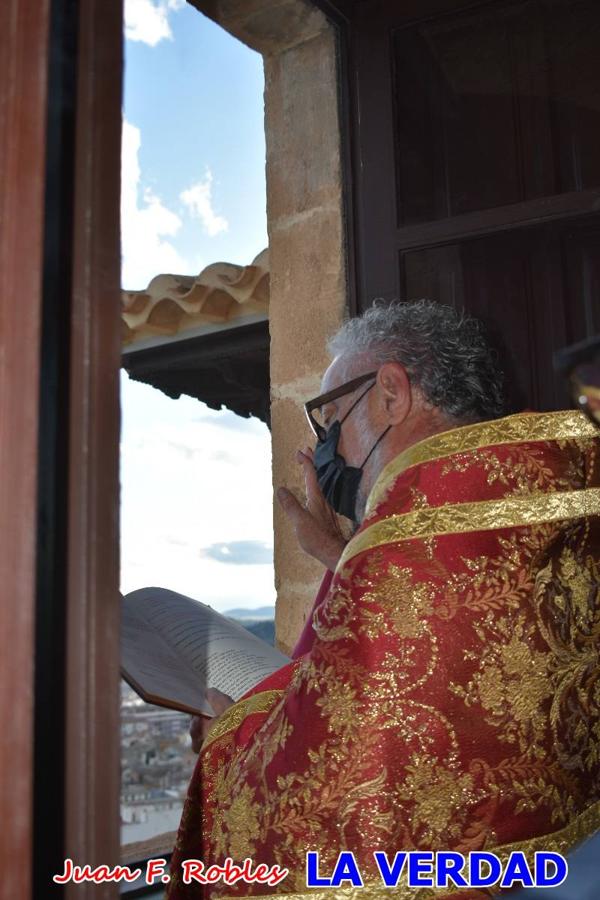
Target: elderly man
[445,694]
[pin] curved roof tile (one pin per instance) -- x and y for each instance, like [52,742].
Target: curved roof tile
[172,304]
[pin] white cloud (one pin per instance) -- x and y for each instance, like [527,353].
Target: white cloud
[148,20]
[198,199]
[145,223]
[175,505]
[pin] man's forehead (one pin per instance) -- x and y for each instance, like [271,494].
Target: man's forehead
[342,369]
[333,375]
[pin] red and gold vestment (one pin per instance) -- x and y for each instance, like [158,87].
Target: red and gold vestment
[451,697]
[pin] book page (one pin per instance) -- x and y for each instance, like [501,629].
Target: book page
[173,646]
[154,670]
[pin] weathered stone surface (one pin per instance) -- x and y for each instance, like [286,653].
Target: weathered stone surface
[307,247]
[290,432]
[293,566]
[308,281]
[268,26]
[295,572]
[292,611]
[301,120]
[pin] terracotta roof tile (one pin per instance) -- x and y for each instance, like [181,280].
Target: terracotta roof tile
[172,304]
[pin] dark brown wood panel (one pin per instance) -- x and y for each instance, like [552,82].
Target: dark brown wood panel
[496,106]
[475,136]
[229,367]
[514,282]
[59,433]
[502,218]
[24,27]
[572,33]
[93,646]
[581,263]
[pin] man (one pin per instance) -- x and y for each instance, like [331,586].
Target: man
[445,694]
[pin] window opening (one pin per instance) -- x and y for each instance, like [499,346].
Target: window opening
[196,479]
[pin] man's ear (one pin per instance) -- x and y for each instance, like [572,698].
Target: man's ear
[395,392]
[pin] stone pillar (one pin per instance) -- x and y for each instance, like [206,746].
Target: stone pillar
[306,241]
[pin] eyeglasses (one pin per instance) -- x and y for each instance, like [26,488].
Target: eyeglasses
[313,407]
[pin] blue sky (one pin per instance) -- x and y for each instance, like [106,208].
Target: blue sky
[194,101]
[196,501]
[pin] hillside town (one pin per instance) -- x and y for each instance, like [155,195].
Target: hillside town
[156,754]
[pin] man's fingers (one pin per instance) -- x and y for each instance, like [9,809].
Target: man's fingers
[301,518]
[313,491]
[198,729]
[201,725]
[290,504]
[218,700]
[316,502]
[305,455]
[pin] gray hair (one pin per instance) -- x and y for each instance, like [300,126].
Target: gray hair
[445,353]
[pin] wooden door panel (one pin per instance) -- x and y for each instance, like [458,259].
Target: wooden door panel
[495,106]
[581,267]
[572,32]
[455,117]
[536,290]
[476,135]
[491,278]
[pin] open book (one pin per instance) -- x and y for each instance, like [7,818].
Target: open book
[173,648]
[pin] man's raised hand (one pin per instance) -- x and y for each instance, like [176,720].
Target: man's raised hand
[201,725]
[316,524]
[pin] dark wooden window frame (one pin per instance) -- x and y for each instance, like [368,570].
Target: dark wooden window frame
[93,606]
[60,126]
[24,28]
[366,214]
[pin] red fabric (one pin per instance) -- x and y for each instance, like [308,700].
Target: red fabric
[306,639]
[451,696]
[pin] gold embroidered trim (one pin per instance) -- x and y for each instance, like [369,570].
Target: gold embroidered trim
[481,515]
[520,428]
[583,826]
[233,717]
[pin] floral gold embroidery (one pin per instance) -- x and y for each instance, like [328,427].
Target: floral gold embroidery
[452,696]
[511,683]
[441,797]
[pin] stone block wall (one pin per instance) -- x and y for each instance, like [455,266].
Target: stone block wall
[306,241]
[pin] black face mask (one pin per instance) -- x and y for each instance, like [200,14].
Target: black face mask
[338,481]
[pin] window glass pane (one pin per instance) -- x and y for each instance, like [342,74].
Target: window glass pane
[496,106]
